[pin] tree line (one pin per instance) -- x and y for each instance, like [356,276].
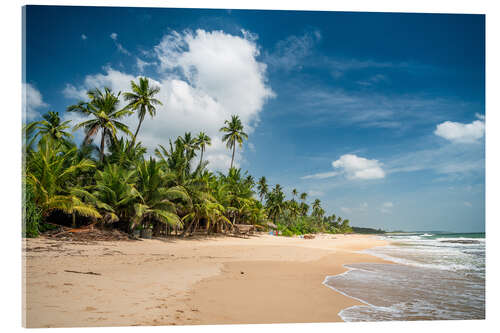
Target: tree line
[110,180]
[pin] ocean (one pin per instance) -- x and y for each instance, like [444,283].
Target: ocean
[434,277]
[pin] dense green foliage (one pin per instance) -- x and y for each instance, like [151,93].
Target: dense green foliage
[32,216]
[119,184]
[359,230]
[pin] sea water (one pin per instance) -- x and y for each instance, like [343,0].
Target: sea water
[434,277]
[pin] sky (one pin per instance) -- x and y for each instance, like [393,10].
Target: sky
[379,115]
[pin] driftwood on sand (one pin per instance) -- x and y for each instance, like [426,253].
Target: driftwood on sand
[77,272]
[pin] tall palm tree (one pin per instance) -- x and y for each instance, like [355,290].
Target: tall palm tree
[234,134]
[303,197]
[103,108]
[262,187]
[142,100]
[202,141]
[294,193]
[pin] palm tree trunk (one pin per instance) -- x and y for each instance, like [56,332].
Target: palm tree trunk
[102,146]
[73,222]
[136,131]
[201,157]
[232,158]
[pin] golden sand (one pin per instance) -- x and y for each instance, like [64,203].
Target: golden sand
[221,280]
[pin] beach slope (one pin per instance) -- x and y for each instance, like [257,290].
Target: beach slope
[220,280]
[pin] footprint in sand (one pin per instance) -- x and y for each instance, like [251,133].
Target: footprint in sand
[90,308]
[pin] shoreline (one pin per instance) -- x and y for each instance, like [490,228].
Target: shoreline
[221,280]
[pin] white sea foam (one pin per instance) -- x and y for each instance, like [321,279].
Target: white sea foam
[434,280]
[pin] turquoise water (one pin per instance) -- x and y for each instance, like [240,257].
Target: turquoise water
[435,276]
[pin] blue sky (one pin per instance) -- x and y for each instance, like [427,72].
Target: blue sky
[381,116]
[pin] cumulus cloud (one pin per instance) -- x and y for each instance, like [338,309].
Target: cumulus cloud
[353,167]
[32,101]
[356,167]
[204,78]
[460,132]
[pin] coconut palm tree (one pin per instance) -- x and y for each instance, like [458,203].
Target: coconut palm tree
[114,193]
[294,193]
[103,108]
[190,144]
[262,187]
[142,100]
[51,127]
[157,198]
[316,205]
[234,134]
[202,141]
[52,173]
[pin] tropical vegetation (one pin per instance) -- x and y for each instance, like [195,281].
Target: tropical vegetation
[117,183]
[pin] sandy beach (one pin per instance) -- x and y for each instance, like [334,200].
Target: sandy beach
[220,280]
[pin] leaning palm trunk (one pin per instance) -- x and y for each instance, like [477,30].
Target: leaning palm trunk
[136,132]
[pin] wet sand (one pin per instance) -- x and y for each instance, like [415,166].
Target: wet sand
[220,280]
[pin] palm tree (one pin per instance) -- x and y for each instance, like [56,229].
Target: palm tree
[202,141]
[262,187]
[294,193]
[157,198]
[303,197]
[190,144]
[103,107]
[53,173]
[51,127]
[316,204]
[114,193]
[141,99]
[234,134]
[275,204]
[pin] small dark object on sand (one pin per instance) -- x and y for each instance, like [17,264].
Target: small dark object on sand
[89,273]
[242,272]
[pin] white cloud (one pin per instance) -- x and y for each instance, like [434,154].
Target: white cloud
[119,46]
[356,167]
[84,36]
[353,167]
[204,78]
[290,52]
[32,101]
[315,193]
[141,64]
[321,175]
[386,207]
[461,133]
